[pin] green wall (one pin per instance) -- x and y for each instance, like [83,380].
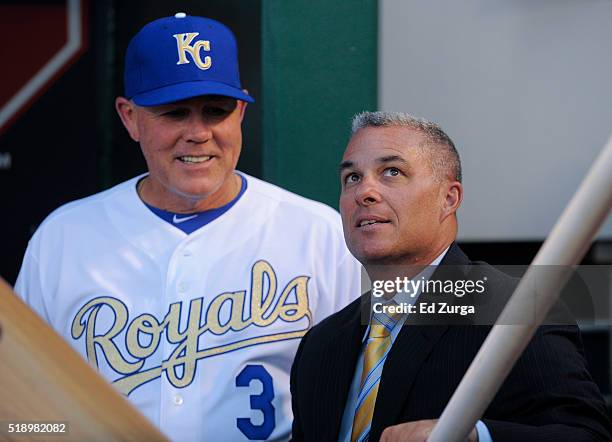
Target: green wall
[319,63]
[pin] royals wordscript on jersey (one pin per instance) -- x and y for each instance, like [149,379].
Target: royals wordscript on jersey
[199,330]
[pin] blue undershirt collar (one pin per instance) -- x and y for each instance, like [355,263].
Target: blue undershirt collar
[190,222]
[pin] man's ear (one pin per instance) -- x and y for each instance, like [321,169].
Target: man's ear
[452,199]
[243,105]
[127,112]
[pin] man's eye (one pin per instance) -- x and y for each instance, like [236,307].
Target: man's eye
[351,178]
[391,171]
[220,108]
[216,111]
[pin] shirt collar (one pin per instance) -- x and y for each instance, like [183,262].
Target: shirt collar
[425,274]
[408,298]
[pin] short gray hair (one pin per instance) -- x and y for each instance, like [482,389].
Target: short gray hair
[444,158]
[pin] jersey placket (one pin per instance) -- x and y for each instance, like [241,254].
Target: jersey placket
[179,401]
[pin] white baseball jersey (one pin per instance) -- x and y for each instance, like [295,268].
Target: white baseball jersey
[198,330]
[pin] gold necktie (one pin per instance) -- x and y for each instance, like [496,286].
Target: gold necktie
[379,343]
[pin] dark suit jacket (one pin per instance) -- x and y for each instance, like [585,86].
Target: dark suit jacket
[548,396]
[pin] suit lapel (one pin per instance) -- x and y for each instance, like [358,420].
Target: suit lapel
[409,351]
[412,346]
[338,361]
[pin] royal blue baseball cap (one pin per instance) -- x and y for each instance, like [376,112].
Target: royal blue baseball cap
[180,57]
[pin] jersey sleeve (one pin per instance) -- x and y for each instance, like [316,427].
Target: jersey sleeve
[28,286]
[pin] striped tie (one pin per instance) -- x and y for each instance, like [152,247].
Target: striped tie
[379,343]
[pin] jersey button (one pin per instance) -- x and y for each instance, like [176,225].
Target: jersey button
[177,399]
[183,286]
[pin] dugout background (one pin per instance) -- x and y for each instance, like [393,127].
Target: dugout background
[310,65]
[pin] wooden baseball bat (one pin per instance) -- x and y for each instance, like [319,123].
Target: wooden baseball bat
[42,379]
[565,246]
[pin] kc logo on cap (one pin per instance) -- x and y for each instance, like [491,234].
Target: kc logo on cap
[183,42]
[181,57]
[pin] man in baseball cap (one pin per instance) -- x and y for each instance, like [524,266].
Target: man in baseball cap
[184,104]
[189,287]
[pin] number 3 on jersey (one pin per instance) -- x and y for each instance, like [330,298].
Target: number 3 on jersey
[262,402]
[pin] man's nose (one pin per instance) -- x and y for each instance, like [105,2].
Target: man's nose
[368,192]
[198,129]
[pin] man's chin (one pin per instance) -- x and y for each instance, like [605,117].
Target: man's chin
[372,256]
[199,189]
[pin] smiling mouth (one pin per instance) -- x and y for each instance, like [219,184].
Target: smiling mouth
[194,160]
[369,222]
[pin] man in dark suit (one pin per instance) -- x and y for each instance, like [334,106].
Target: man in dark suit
[356,380]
